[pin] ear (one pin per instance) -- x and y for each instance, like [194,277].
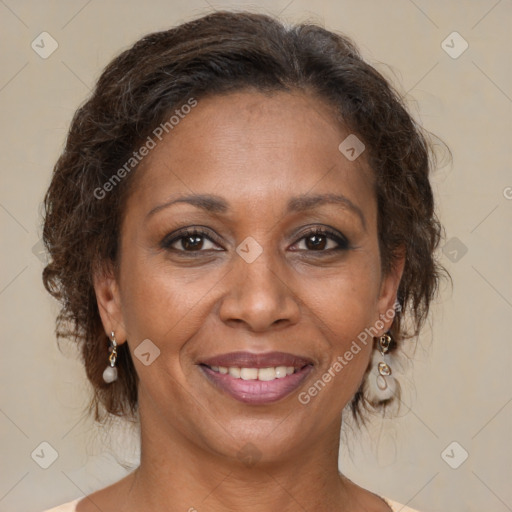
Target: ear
[109,303]
[389,289]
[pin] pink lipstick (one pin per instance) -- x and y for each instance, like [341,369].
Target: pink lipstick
[257,378]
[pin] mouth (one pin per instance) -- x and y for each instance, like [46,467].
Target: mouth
[257,378]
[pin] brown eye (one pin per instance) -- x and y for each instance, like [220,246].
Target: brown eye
[315,242]
[322,240]
[190,241]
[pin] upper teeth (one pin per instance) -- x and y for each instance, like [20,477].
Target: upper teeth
[271,373]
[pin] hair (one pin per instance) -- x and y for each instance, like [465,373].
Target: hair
[216,54]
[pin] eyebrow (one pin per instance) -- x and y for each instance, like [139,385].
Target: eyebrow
[207,202]
[304,202]
[308,202]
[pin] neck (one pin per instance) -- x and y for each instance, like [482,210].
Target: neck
[176,474]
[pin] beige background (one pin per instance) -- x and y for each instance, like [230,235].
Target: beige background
[460,387]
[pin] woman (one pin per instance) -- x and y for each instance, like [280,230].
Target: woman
[239,225]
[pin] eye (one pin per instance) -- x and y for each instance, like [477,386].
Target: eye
[200,240]
[322,240]
[193,240]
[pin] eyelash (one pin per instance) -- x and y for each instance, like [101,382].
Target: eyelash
[343,243]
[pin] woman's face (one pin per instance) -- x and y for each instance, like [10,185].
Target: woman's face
[249,241]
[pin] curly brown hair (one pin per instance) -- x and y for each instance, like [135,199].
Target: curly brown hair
[216,54]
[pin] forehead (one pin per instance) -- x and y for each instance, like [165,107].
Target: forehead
[249,148]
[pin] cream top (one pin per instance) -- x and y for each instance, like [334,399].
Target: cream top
[71,506]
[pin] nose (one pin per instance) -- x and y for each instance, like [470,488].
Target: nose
[259,296]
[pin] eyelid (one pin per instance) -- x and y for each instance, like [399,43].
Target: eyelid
[339,238]
[202,231]
[342,241]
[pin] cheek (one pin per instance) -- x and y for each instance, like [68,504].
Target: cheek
[344,315]
[161,306]
[345,309]
[346,300]
[162,303]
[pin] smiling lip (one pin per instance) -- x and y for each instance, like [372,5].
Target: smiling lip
[252,360]
[257,391]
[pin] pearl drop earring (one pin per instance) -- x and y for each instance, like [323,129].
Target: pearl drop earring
[110,373]
[383,368]
[380,384]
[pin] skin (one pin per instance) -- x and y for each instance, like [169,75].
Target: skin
[256,152]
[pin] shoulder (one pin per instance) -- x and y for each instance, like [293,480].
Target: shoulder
[66,507]
[71,506]
[398,507]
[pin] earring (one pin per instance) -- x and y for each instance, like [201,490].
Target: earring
[110,373]
[382,367]
[381,385]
